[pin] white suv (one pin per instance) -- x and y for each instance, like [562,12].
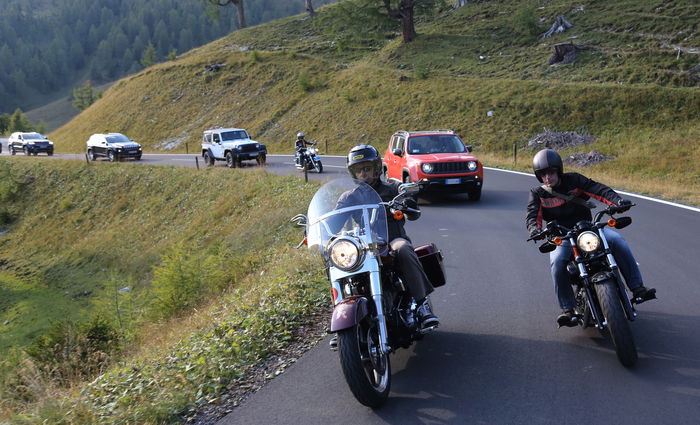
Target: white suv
[113,146]
[29,143]
[232,145]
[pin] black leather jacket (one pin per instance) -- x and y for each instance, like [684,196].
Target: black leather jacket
[388,191]
[543,206]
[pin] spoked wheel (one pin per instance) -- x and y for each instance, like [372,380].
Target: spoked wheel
[367,370]
[318,166]
[618,326]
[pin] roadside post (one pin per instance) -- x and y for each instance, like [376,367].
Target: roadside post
[196,161]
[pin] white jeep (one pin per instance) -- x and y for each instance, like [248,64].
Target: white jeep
[232,145]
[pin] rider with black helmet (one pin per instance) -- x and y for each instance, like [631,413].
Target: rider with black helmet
[565,197]
[365,164]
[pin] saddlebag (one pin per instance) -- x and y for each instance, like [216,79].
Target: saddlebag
[431,259]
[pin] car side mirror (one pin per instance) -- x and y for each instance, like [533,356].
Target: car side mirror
[469,148]
[397,152]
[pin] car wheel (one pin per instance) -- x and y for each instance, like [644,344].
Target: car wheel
[230,161]
[12,151]
[208,160]
[50,153]
[137,157]
[26,151]
[475,194]
[35,153]
[111,157]
[261,159]
[406,178]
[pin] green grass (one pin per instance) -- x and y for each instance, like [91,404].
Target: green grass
[78,234]
[343,87]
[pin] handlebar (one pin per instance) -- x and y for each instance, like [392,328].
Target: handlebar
[555,229]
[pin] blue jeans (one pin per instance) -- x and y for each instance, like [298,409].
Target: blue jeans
[560,257]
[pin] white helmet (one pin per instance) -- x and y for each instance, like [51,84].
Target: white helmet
[300,135]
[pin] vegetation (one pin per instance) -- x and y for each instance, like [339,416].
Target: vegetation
[333,75]
[49,46]
[84,96]
[123,262]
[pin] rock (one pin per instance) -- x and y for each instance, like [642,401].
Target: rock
[587,159]
[559,140]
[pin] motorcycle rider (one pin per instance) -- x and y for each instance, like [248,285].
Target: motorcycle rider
[365,164]
[564,197]
[300,148]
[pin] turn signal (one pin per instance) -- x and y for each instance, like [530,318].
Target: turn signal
[612,222]
[398,215]
[557,241]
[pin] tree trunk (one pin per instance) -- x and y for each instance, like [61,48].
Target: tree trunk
[310,8]
[404,14]
[241,13]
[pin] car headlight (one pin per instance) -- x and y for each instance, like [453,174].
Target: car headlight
[588,241]
[427,167]
[50,143]
[345,254]
[472,165]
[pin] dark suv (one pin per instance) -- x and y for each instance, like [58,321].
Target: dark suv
[29,143]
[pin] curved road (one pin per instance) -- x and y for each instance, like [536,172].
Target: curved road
[498,357]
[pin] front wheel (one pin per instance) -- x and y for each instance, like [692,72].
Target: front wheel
[618,326]
[475,194]
[230,160]
[111,157]
[26,151]
[318,166]
[262,158]
[367,370]
[208,160]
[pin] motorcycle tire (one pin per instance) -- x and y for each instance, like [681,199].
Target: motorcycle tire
[319,167]
[366,371]
[618,325]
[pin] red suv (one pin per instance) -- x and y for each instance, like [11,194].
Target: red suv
[439,156]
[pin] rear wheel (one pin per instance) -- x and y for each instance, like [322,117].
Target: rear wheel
[367,370]
[618,326]
[208,160]
[12,151]
[91,155]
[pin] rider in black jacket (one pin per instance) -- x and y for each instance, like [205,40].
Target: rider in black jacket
[564,197]
[365,164]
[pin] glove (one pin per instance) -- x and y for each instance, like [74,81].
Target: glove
[624,203]
[410,203]
[536,234]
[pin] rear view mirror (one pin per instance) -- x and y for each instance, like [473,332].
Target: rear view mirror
[469,148]
[396,152]
[547,247]
[622,222]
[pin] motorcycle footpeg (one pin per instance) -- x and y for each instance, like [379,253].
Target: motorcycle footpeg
[569,322]
[333,343]
[649,295]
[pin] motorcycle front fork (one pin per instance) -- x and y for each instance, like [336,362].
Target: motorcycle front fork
[377,296]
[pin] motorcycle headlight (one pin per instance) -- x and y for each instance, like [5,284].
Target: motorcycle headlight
[471,165]
[588,241]
[427,168]
[345,254]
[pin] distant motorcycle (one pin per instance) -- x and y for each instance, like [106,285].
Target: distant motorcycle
[308,158]
[601,299]
[373,314]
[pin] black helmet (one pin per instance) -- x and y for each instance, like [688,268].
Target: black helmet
[364,153]
[547,159]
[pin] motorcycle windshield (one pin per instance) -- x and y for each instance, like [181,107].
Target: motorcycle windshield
[346,207]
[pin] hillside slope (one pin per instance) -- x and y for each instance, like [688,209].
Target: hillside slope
[633,86]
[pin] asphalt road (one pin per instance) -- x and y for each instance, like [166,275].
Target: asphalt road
[498,357]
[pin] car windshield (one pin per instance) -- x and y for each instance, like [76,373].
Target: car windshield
[435,143]
[117,138]
[234,135]
[32,136]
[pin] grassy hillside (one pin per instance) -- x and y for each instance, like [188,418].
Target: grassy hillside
[100,263]
[631,86]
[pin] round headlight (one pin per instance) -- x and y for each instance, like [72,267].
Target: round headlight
[344,254]
[471,165]
[588,241]
[427,168]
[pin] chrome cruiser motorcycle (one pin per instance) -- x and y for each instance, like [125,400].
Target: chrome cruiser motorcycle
[373,313]
[308,158]
[601,299]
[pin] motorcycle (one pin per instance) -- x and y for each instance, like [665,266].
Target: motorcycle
[601,299]
[373,313]
[308,158]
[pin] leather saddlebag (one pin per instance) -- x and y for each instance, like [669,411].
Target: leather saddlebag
[431,258]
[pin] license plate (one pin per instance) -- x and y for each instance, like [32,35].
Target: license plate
[132,151]
[453,181]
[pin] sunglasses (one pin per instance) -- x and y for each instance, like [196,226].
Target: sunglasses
[366,169]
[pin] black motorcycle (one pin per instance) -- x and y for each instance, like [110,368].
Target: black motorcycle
[373,314]
[601,298]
